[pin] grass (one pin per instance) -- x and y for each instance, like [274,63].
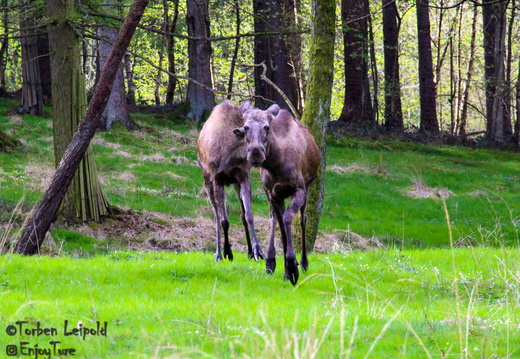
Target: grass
[445,286]
[372,200]
[399,304]
[367,182]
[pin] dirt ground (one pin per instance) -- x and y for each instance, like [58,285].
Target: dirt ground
[149,231]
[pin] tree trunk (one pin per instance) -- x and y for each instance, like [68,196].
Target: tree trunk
[508,128]
[200,87]
[441,51]
[165,27]
[459,78]
[464,100]
[516,134]
[84,200]
[373,68]
[296,53]
[44,63]
[38,224]
[393,110]
[274,51]
[442,56]
[170,44]
[32,91]
[317,105]
[4,44]
[489,24]
[117,107]
[158,77]
[357,110]
[494,23]
[429,125]
[129,78]
[32,88]
[238,21]
[499,109]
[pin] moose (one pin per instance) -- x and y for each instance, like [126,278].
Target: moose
[289,158]
[223,160]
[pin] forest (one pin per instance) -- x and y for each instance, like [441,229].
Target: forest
[446,68]
[436,72]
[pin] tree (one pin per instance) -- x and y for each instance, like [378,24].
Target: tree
[393,110]
[170,25]
[35,61]
[200,87]
[275,52]
[498,121]
[44,64]
[464,94]
[238,20]
[516,133]
[44,214]
[429,125]
[84,200]
[508,99]
[117,106]
[32,91]
[4,42]
[129,78]
[317,104]
[357,110]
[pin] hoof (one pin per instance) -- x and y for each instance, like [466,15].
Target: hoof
[229,256]
[304,264]
[292,276]
[228,253]
[270,265]
[291,270]
[257,252]
[218,257]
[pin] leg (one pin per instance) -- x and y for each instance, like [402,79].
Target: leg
[277,213]
[304,262]
[244,221]
[211,195]
[245,196]
[220,199]
[278,209]
[270,262]
[291,265]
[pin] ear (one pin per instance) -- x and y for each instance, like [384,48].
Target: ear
[239,131]
[274,109]
[246,106]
